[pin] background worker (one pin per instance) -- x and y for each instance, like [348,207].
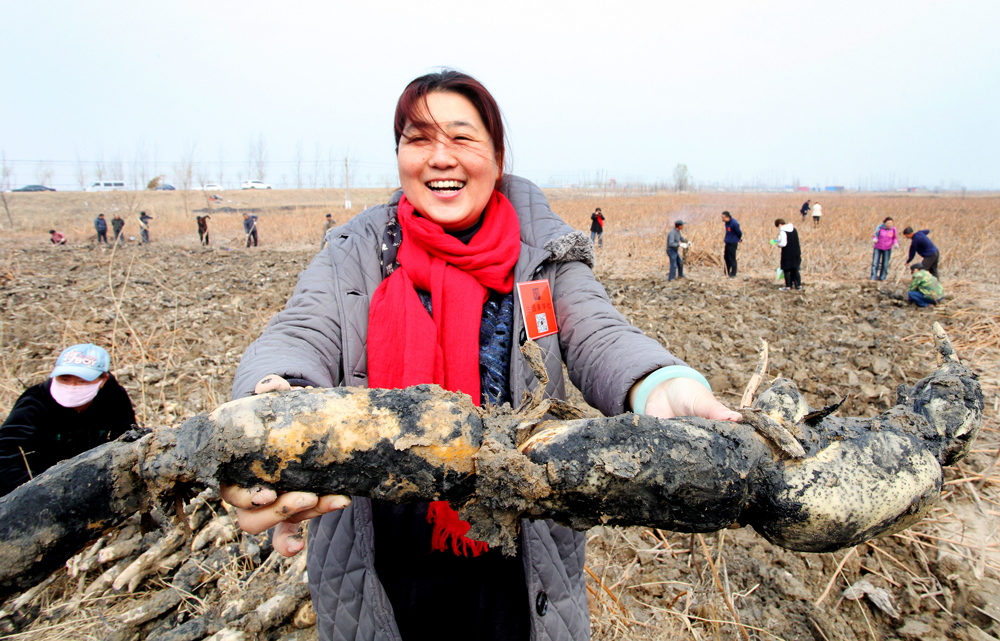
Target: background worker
[676,242]
[144,219]
[817,212]
[885,240]
[791,253]
[327,226]
[734,236]
[79,407]
[250,228]
[925,288]
[203,229]
[116,225]
[921,245]
[805,210]
[57,237]
[597,227]
[101,225]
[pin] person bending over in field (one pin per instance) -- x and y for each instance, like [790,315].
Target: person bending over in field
[925,288]
[921,245]
[57,237]
[250,228]
[203,229]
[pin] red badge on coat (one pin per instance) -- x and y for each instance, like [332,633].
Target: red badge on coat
[537,308]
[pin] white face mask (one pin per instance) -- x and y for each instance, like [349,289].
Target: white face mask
[73,396]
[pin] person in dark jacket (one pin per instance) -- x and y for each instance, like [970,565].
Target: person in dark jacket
[676,242]
[117,224]
[431,279]
[203,228]
[921,245]
[791,253]
[79,407]
[144,219]
[250,228]
[101,226]
[597,227]
[805,210]
[734,236]
[329,224]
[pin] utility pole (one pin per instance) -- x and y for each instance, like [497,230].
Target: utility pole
[347,185]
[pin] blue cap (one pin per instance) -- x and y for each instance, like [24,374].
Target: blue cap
[86,361]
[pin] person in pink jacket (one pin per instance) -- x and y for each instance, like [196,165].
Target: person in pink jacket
[886,238]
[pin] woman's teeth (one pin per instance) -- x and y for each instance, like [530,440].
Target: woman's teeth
[445,185]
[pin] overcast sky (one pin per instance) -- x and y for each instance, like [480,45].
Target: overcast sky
[856,93]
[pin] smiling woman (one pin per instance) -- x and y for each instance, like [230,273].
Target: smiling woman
[422,290]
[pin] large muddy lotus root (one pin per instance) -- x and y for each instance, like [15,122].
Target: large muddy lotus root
[804,480]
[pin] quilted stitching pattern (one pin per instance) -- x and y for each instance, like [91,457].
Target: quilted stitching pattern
[554,563]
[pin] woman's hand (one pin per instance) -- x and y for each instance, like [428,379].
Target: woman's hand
[684,397]
[260,508]
[271,383]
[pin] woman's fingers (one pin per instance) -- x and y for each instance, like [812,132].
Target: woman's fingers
[256,520]
[686,397]
[326,504]
[247,498]
[271,383]
[288,539]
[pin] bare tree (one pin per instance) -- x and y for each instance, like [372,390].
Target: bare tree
[184,170]
[100,171]
[139,174]
[257,158]
[117,168]
[81,173]
[317,167]
[43,174]
[222,165]
[202,175]
[682,179]
[298,165]
[6,176]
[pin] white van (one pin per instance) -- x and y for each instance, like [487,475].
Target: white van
[107,185]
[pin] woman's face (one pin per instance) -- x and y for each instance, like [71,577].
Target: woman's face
[448,177]
[888,224]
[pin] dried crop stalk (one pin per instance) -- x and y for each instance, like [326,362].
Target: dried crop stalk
[858,478]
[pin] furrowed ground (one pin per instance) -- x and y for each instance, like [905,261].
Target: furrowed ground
[177,316]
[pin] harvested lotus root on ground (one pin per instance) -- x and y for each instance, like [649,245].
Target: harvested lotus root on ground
[808,481]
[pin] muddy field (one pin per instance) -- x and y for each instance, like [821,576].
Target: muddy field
[177,318]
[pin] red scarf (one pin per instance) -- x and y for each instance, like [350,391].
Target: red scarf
[407,347]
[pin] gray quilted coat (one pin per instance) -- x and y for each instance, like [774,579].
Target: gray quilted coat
[321,336]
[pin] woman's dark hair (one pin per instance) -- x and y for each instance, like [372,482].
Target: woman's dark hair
[414,100]
[52,231]
[887,220]
[779,222]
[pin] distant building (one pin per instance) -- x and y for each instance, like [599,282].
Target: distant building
[834,188]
